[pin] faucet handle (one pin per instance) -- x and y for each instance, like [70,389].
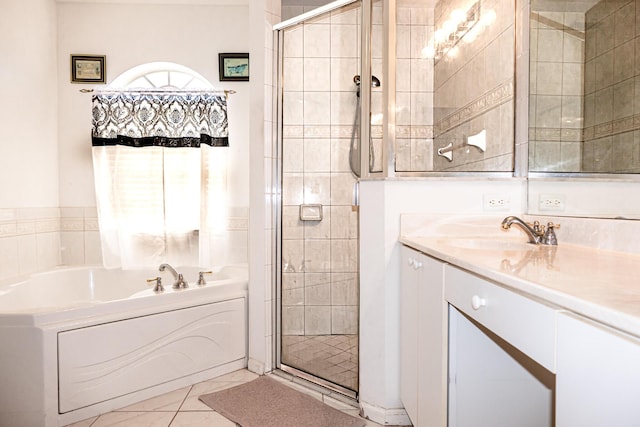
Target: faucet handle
[538,228]
[550,237]
[158,288]
[201,281]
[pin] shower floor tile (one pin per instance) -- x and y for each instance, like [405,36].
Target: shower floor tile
[331,357]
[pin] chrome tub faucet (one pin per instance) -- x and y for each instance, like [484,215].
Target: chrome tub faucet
[537,233]
[179,283]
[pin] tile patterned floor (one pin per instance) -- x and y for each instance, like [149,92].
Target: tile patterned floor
[181,408]
[332,357]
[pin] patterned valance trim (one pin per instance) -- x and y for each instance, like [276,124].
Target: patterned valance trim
[166,119]
[160,141]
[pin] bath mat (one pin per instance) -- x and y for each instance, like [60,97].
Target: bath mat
[265,402]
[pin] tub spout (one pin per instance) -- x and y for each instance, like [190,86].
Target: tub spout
[179,283]
[171,269]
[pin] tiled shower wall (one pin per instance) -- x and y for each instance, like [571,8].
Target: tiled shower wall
[414,89]
[556,101]
[474,89]
[320,258]
[611,87]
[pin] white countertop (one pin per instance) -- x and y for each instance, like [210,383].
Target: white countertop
[599,284]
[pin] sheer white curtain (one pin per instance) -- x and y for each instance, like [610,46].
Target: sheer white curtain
[161,188]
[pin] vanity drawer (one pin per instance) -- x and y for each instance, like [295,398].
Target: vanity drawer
[526,324]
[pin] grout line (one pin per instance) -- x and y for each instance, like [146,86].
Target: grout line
[184,399]
[173,418]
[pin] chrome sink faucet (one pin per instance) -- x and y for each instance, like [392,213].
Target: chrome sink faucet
[179,283]
[536,232]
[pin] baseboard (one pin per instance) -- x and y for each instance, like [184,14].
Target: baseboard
[397,416]
[256,366]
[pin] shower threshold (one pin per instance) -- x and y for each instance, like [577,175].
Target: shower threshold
[325,387]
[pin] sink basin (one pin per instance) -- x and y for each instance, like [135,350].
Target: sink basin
[488,244]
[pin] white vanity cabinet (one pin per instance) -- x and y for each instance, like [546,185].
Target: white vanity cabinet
[423,339]
[501,355]
[536,337]
[598,378]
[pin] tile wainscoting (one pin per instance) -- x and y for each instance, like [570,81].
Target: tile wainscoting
[38,239]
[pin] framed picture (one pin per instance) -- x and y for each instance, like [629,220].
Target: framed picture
[88,68]
[234,66]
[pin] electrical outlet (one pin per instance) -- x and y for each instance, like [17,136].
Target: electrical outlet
[496,202]
[551,202]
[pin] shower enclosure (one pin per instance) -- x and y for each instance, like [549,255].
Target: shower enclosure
[321,101]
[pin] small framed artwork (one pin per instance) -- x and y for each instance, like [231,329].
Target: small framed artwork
[88,68]
[234,67]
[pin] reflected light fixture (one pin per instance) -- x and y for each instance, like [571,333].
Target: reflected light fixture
[454,29]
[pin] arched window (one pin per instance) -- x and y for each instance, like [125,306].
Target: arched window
[160,75]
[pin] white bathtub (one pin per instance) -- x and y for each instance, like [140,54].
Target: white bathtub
[77,342]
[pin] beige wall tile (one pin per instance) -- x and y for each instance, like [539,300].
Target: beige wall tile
[344,320]
[317,320]
[316,41]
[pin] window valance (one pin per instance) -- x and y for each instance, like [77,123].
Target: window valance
[164,119]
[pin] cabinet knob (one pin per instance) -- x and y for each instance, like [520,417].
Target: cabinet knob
[411,261]
[477,302]
[417,265]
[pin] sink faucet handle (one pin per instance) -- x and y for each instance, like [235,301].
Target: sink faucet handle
[538,228]
[550,237]
[158,288]
[201,281]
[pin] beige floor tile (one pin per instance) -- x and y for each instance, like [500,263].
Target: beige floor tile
[191,403]
[134,419]
[241,375]
[232,379]
[332,357]
[83,423]
[199,419]
[165,402]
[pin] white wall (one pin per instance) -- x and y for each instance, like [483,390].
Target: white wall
[131,34]
[47,201]
[381,204]
[134,34]
[28,113]
[29,225]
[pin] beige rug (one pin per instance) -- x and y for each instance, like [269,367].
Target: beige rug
[265,402]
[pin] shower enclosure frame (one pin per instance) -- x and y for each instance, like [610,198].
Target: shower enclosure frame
[364,135]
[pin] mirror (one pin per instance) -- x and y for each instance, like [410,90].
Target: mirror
[584,109]
[454,93]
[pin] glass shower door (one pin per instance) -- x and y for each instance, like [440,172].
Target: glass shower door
[319,223]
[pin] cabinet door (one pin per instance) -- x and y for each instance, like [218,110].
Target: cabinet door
[432,344]
[491,384]
[598,378]
[423,339]
[409,282]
